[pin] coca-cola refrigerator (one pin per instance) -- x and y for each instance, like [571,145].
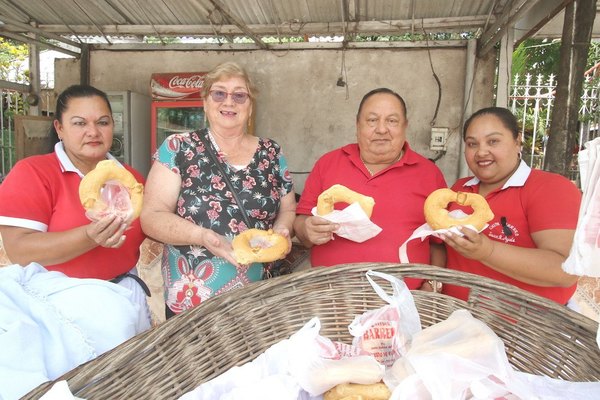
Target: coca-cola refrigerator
[131,143]
[176,105]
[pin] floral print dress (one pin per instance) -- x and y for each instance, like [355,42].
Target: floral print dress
[192,274]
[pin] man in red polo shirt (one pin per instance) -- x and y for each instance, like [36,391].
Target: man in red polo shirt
[380,165]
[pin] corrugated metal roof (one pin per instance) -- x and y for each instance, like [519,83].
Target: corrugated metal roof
[106,19]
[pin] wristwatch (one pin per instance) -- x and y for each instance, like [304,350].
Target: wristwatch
[437,286]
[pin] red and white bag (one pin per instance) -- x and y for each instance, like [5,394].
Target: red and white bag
[585,252]
[386,332]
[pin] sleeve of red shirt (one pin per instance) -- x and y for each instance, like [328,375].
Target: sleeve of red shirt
[25,193]
[551,201]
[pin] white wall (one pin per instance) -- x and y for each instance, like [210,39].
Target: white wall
[299,104]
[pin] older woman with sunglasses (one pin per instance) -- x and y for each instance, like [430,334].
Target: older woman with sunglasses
[189,206]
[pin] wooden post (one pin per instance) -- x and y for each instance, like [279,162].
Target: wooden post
[576,36]
[84,65]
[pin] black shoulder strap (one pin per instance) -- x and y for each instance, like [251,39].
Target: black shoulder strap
[209,150]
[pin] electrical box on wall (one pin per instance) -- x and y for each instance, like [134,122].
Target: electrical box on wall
[439,136]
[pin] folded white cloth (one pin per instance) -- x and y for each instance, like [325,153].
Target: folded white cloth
[50,324]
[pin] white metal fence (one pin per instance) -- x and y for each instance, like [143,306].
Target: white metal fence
[532,99]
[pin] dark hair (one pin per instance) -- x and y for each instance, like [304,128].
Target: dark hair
[378,91]
[62,103]
[503,114]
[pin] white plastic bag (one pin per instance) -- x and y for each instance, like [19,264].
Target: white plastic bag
[584,257]
[317,364]
[303,366]
[386,332]
[451,360]
[266,377]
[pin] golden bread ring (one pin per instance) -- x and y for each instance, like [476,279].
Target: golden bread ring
[356,391]
[340,193]
[107,170]
[437,215]
[257,245]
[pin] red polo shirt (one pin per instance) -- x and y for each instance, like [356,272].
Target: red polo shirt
[399,192]
[42,193]
[531,201]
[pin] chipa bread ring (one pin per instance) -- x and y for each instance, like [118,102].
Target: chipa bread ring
[437,215]
[352,391]
[257,245]
[340,193]
[107,170]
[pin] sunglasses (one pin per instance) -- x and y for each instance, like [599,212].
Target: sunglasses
[220,95]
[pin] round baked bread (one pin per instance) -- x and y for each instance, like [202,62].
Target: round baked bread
[340,193]
[437,215]
[107,170]
[257,245]
[355,391]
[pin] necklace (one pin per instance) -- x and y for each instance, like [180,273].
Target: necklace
[216,145]
[393,162]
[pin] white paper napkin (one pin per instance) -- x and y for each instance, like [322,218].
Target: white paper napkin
[425,230]
[354,223]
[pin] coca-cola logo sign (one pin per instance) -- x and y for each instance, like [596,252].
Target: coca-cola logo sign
[177,86]
[194,81]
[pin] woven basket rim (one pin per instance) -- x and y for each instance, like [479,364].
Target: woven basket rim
[294,291]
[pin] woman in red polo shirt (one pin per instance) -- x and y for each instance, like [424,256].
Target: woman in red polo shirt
[41,216]
[535,213]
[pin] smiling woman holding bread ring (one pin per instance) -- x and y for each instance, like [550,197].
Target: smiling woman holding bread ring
[382,173]
[535,213]
[42,219]
[190,206]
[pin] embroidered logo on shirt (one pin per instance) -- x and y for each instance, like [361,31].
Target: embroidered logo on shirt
[503,231]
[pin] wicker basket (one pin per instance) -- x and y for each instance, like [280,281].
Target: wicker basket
[540,336]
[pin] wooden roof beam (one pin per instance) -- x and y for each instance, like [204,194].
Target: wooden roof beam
[236,21]
[26,39]
[315,28]
[19,27]
[509,17]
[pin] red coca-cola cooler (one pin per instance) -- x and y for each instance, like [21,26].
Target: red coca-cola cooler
[176,104]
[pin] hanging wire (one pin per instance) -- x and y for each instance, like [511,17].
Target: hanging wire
[343,79]
[437,79]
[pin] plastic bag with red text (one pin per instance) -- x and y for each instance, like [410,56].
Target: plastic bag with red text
[585,251]
[386,332]
[114,200]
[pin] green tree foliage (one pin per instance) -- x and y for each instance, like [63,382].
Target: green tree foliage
[541,56]
[12,56]
[536,56]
